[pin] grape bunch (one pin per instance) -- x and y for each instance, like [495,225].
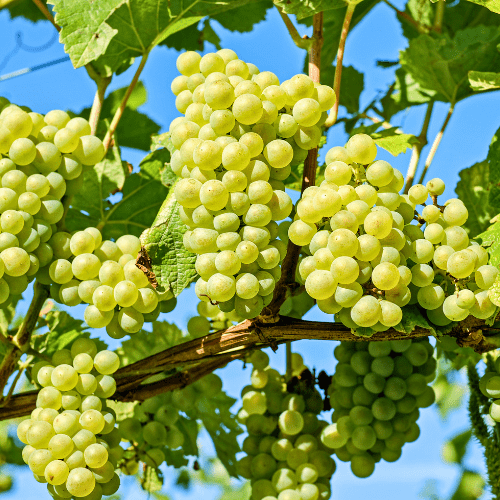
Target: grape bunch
[152,430]
[42,158]
[376,393]
[368,252]
[235,145]
[71,439]
[285,457]
[103,275]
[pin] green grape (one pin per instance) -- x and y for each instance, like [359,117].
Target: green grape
[130,319]
[86,384]
[320,284]
[96,318]
[48,158]
[385,276]
[61,271]
[456,237]
[61,446]
[103,298]
[111,273]
[431,296]
[422,275]
[70,168]
[64,377]
[56,472]
[16,261]
[39,433]
[361,148]
[455,214]
[11,222]
[485,276]
[86,266]
[483,308]
[15,180]
[441,255]
[80,482]
[38,461]
[8,199]
[22,151]
[461,264]
[51,209]
[82,243]
[378,224]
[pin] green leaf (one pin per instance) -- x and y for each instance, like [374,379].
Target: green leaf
[172,264]
[122,410]
[472,189]
[394,142]
[222,426]
[493,5]
[143,344]
[454,449]
[362,331]
[137,98]
[484,80]
[351,88]
[491,239]
[493,159]
[494,292]
[84,31]
[449,395]
[142,195]
[26,9]
[412,317]
[7,314]
[157,164]
[152,479]
[9,452]
[63,330]
[420,10]
[243,19]
[470,486]
[441,63]
[189,427]
[306,8]
[209,35]
[135,130]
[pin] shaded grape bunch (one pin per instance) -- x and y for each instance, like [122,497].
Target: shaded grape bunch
[71,439]
[376,393]
[285,458]
[368,252]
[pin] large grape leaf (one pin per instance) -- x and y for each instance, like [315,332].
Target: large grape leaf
[142,195]
[393,141]
[441,63]
[493,159]
[172,264]
[473,190]
[243,19]
[114,32]
[306,8]
[222,426]
[491,240]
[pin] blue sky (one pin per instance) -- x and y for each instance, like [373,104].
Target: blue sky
[378,36]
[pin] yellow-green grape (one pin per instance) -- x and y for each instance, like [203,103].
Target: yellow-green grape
[130,319]
[452,311]
[418,194]
[378,224]
[236,156]
[435,187]
[485,276]
[461,264]
[483,308]
[22,151]
[247,109]
[361,148]
[380,173]
[366,312]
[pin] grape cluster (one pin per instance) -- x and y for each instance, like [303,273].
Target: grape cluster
[285,457]
[368,254]
[235,145]
[152,429]
[103,275]
[376,393]
[42,158]
[71,440]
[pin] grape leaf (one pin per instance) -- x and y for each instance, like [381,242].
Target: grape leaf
[442,63]
[122,410]
[449,394]
[9,452]
[188,427]
[470,486]
[144,344]
[222,426]
[172,264]
[493,159]
[494,292]
[484,80]
[84,31]
[473,190]
[142,196]
[394,142]
[306,8]
[114,32]
[244,18]
[63,330]
[493,5]
[412,317]
[420,10]
[89,205]
[491,239]
[26,9]
[7,314]
[455,448]
[352,86]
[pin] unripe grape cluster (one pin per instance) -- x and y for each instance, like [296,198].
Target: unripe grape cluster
[376,393]
[153,428]
[489,384]
[369,252]
[285,458]
[42,158]
[103,275]
[235,145]
[71,439]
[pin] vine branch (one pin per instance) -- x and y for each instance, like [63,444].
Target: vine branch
[95,112]
[417,148]
[20,341]
[119,112]
[332,117]
[437,141]
[217,349]
[289,265]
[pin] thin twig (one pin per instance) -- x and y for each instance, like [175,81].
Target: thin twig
[437,141]
[421,28]
[291,259]
[417,148]
[123,104]
[20,371]
[332,118]
[302,43]
[46,12]
[438,17]
[95,112]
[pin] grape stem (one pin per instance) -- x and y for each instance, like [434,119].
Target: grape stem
[217,349]
[119,112]
[332,117]
[20,341]
[46,12]
[437,141]
[301,42]
[289,265]
[95,112]
[417,148]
